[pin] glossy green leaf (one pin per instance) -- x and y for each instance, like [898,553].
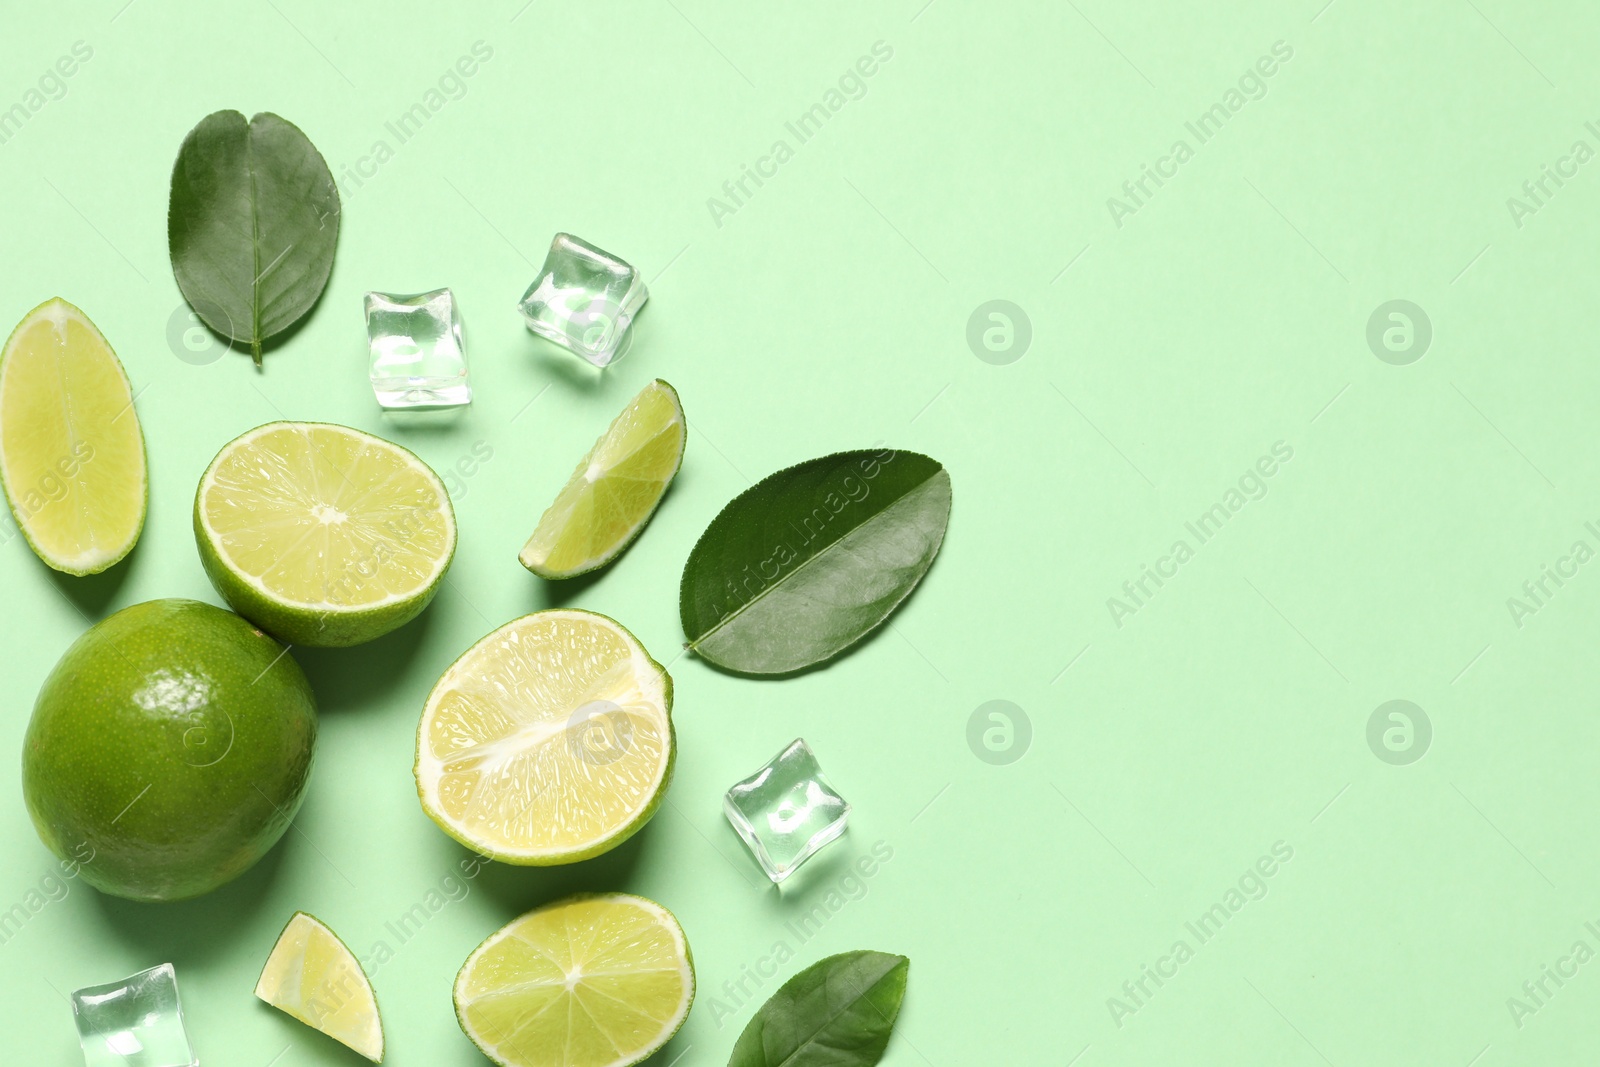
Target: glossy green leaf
[836,1013]
[251,225]
[809,560]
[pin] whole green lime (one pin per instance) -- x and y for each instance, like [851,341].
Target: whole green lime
[168,750]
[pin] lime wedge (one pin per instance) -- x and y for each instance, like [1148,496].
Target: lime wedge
[592,981]
[312,976]
[615,489]
[323,535]
[71,454]
[547,742]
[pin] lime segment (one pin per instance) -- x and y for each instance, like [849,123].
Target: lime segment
[614,490]
[323,535]
[71,453]
[312,976]
[596,981]
[549,741]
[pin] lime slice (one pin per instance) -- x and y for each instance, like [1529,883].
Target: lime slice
[71,454]
[592,981]
[312,976]
[615,489]
[323,535]
[547,742]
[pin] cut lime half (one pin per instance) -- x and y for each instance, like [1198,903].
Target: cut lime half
[71,453]
[312,976]
[614,490]
[593,981]
[323,535]
[549,741]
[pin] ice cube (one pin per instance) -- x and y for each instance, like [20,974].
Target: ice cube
[419,353]
[786,812]
[584,300]
[137,1022]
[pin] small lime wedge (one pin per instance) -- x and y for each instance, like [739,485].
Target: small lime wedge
[547,742]
[71,454]
[614,490]
[312,976]
[591,981]
[323,535]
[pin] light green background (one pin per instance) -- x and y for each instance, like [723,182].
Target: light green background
[1227,313]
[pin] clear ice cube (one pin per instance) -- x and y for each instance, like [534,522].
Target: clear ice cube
[136,1022]
[786,812]
[584,300]
[419,353]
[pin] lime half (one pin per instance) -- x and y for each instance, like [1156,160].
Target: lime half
[615,489]
[593,981]
[547,742]
[312,976]
[71,454]
[323,535]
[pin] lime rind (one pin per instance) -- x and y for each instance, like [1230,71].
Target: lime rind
[106,560]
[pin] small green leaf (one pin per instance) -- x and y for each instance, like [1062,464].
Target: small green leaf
[251,225]
[808,561]
[838,1012]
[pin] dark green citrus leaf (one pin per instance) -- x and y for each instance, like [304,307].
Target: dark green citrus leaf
[836,1013]
[251,225]
[811,559]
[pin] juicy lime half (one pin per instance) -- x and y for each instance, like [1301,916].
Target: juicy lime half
[547,742]
[614,490]
[323,535]
[71,453]
[593,981]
